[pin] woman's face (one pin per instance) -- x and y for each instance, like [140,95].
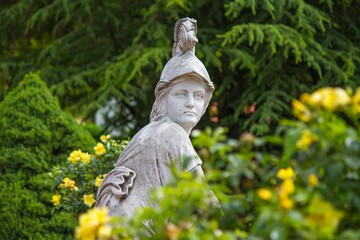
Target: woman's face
[185,102]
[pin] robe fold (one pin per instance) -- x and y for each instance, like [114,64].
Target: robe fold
[145,163]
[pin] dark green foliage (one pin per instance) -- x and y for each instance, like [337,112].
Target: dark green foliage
[259,53]
[24,217]
[35,133]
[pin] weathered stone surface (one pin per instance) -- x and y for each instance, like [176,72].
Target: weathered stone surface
[182,96]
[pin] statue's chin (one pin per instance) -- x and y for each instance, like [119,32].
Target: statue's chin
[187,122]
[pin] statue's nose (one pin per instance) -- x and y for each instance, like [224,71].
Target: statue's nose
[190,101]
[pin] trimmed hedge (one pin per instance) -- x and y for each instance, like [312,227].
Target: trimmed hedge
[35,135]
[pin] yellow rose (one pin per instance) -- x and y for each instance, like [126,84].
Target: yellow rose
[333,98]
[288,186]
[313,180]
[313,100]
[68,183]
[356,101]
[90,223]
[75,156]
[286,203]
[300,111]
[264,194]
[89,199]
[285,173]
[85,158]
[56,199]
[306,139]
[99,180]
[104,138]
[99,149]
[104,232]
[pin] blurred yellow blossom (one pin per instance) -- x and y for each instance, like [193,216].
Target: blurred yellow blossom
[313,180]
[99,149]
[90,224]
[264,194]
[306,139]
[56,199]
[104,138]
[75,156]
[288,186]
[322,218]
[356,101]
[85,158]
[313,100]
[334,98]
[301,111]
[329,98]
[286,203]
[89,199]
[99,180]
[68,183]
[285,173]
[104,232]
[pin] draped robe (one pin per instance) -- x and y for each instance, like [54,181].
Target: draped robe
[145,163]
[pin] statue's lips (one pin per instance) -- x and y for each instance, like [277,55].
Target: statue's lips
[189,113]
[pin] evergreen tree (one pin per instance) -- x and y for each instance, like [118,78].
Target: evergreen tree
[260,54]
[34,136]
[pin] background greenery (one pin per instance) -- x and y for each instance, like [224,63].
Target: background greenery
[35,135]
[260,54]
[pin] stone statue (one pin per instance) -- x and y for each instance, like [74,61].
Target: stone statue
[182,96]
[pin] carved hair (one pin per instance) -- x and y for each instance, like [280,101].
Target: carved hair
[159,109]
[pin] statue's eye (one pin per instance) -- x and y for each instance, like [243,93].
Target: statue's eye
[199,95]
[180,94]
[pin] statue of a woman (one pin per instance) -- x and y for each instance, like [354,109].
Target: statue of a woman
[182,96]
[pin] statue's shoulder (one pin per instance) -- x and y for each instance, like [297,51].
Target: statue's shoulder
[163,129]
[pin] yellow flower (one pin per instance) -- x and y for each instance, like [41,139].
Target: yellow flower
[104,232]
[306,139]
[85,158]
[313,180]
[333,98]
[264,194]
[104,138]
[329,98]
[75,156]
[285,173]
[99,180]
[313,100]
[288,186]
[286,203]
[91,222]
[322,218]
[300,111]
[56,199]
[68,183]
[342,98]
[89,199]
[356,101]
[99,149]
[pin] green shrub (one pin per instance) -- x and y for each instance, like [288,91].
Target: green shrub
[35,134]
[24,217]
[300,183]
[76,182]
